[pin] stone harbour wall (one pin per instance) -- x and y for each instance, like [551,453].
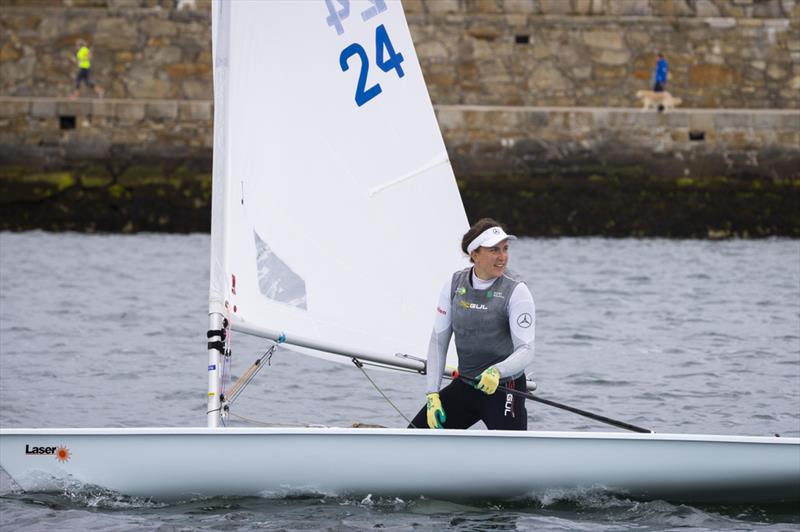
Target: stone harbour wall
[722,53]
[137,52]
[535,99]
[127,165]
[624,172]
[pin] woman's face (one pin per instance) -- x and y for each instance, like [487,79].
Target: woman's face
[490,262]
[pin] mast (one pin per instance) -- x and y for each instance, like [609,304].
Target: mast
[220,31]
[213,412]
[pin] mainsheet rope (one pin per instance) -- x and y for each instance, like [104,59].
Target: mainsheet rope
[239,386]
[360,366]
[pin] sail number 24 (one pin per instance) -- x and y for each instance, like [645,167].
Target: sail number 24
[386,58]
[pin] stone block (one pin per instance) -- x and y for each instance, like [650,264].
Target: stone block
[74,108]
[583,7]
[130,111]
[150,88]
[449,118]
[158,27]
[732,120]
[778,24]
[123,4]
[196,90]
[599,7]
[708,75]
[195,110]
[414,6]
[600,118]
[674,119]
[443,6]
[41,108]
[608,74]
[611,57]
[103,108]
[776,72]
[672,8]
[163,55]
[640,8]
[12,108]
[706,8]
[791,121]
[10,51]
[641,119]
[768,9]
[751,23]
[721,22]
[188,70]
[701,121]
[582,73]
[117,33]
[526,7]
[766,120]
[610,40]
[546,76]
[555,7]
[485,7]
[536,119]
[162,110]
[435,50]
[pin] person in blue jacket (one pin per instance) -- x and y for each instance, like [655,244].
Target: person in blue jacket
[660,74]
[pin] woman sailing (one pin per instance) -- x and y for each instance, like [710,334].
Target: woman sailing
[492,315]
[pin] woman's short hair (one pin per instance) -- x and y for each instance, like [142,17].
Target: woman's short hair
[477,228]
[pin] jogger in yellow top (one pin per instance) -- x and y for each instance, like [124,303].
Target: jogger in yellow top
[84,59]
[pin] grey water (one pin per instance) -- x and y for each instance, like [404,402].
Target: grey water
[677,336]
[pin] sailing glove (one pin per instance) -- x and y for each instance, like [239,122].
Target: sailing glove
[436,415]
[488,381]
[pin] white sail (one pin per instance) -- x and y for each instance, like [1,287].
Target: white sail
[336,215]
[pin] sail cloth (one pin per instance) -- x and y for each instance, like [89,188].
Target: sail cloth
[336,214]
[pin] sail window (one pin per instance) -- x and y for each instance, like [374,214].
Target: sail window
[276,280]
[697,135]
[522,39]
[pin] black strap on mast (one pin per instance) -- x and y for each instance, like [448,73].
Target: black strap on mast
[222,334]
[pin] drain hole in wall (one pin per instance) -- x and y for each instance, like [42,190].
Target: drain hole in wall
[66,122]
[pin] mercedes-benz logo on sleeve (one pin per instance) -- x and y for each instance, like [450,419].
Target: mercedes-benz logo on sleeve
[524,320]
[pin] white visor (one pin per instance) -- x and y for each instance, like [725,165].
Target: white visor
[490,237]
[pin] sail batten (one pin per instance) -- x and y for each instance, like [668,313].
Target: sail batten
[338,205]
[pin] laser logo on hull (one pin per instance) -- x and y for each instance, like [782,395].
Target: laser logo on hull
[61,452]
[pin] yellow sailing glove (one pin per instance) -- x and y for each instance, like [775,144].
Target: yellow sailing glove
[488,381]
[436,415]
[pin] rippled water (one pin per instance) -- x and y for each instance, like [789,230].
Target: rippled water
[676,336]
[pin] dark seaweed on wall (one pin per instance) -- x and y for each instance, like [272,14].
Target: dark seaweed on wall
[620,205]
[175,196]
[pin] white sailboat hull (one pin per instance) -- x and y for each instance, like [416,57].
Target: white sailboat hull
[170,464]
